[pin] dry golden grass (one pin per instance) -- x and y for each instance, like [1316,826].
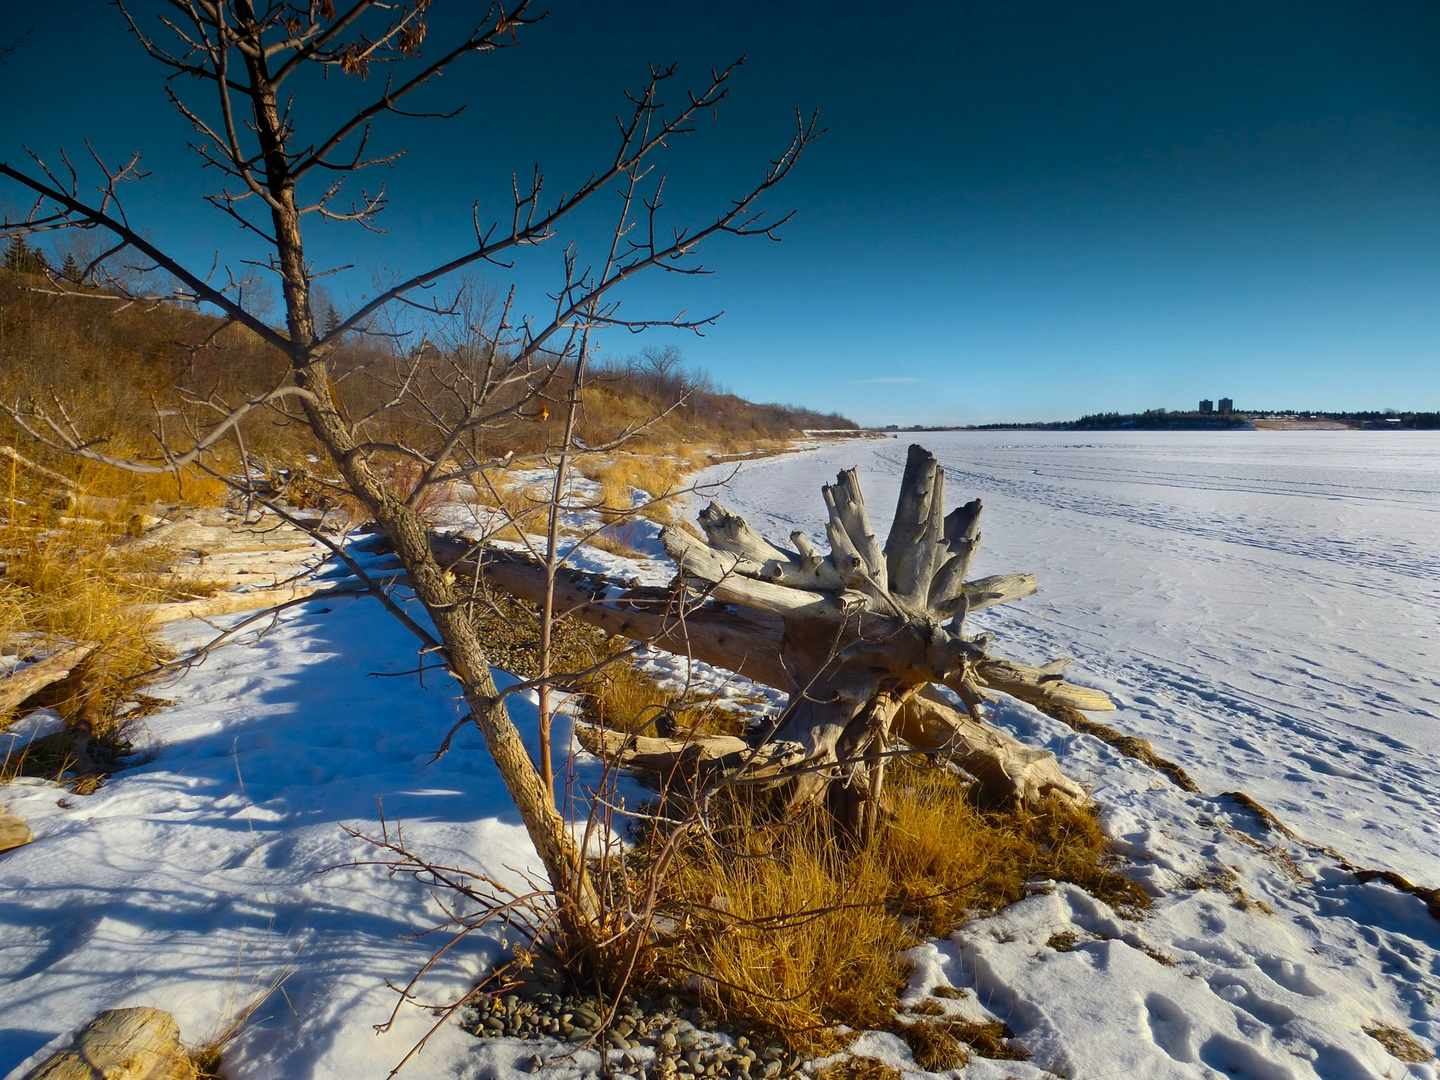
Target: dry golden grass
[72,576]
[934,1046]
[612,540]
[792,933]
[1399,1044]
[658,474]
[858,1068]
[990,1039]
[624,698]
[506,507]
[791,940]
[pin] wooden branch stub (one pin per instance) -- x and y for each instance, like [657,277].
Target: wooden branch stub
[122,1044]
[738,580]
[1040,686]
[847,512]
[910,547]
[810,558]
[987,592]
[728,531]
[1008,771]
[806,569]
[961,539]
[688,757]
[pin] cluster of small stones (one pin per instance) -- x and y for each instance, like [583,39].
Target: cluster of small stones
[654,1039]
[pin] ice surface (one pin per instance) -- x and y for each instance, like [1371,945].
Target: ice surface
[1265,606]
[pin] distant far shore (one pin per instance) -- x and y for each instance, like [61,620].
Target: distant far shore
[1163,420]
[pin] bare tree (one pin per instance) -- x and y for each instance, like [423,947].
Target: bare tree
[396,430]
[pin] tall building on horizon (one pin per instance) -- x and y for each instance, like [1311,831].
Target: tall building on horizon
[1206,405]
[1227,405]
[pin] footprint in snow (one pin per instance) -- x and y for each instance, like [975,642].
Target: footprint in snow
[1170,1027]
[1291,976]
[1231,1057]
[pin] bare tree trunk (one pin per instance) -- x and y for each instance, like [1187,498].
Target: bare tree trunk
[403,524]
[552,562]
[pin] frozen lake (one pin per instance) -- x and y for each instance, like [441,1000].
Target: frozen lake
[1264,606]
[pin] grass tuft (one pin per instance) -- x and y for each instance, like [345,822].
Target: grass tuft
[858,1067]
[786,931]
[624,698]
[658,476]
[1399,1044]
[934,1046]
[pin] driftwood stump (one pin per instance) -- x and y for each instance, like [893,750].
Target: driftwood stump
[867,630]
[860,638]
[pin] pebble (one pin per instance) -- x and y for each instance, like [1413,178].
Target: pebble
[684,1044]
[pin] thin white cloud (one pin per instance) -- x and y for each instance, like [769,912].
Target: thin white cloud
[895,379]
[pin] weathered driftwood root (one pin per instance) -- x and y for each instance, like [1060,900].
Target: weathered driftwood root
[859,638]
[752,643]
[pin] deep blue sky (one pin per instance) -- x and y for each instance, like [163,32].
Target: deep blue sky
[1020,211]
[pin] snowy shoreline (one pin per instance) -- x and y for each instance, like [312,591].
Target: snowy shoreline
[1264,610]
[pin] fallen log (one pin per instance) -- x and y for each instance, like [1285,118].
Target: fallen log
[225,603]
[26,681]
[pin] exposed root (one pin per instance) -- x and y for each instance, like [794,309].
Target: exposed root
[1129,745]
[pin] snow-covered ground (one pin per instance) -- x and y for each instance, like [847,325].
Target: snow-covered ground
[1264,607]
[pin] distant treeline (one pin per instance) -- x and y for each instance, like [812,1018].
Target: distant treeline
[1157,420]
[1165,420]
[1149,420]
[1388,418]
